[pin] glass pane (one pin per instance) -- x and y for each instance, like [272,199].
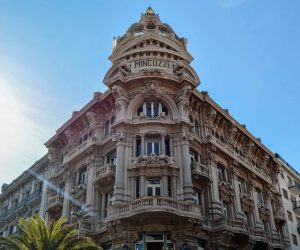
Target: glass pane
[138,147]
[156,148]
[155,111]
[157,191]
[149,191]
[154,237]
[149,148]
[148,109]
[170,246]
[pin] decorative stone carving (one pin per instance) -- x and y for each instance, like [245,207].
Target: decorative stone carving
[54,154]
[247,203]
[178,68]
[232,134]
[92,118]
[211,116]
[119,93]
[265,160]
[125,68]
[226,191]
[70,135]
[264,211]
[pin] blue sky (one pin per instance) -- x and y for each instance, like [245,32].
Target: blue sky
[53,56]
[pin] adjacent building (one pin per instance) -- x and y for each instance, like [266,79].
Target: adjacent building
[152,163]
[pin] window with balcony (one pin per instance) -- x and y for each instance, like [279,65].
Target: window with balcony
[222,175]
[153,187]
[152,109]
[248,218]
[82,176]
[138,147]
[108,127]
[137,187]
[294,239]
[167,147]
[285,194]
[197,197]
[260,197]
[153,147]
[110,199]
[226,209]
[290,216]
[243,186]
[266,225]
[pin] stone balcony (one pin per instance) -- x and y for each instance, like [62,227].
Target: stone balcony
[294,187]
[279,216]
[55,203]
[105,174]
[200,172]
[296,206]
[77,150]
[21,206]
[152,204]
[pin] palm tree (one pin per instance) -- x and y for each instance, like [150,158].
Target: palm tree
[34,234]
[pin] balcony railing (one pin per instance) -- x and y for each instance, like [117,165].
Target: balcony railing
[153,204]
[294,187]
[22,204]
[106,171]
[55,201]
[296,206]
[200,171]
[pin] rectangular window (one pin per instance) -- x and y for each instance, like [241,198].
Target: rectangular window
[247,218]
[225,207]
[82,176]
[167,147]
[169,187]
[290,216]
[294,238]
[137,187]
[221,173]
[152,147]
[138,148]
[197,197]
[153,187]
[266,227]
[260,198]
[285,194]
[243,187]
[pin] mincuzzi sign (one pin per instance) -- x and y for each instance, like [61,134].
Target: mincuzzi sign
[140,64]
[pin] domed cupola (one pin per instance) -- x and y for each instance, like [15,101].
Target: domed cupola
[150,48]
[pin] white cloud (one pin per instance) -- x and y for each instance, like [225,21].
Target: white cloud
[21,137]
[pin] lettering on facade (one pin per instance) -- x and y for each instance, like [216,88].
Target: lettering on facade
[143,63]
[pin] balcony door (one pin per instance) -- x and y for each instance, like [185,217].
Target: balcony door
[153,187]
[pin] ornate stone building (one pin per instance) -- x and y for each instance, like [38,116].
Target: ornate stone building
[153,163]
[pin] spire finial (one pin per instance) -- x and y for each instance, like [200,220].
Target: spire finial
[149,12]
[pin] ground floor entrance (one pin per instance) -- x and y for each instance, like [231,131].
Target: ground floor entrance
[155,245]
[155,241]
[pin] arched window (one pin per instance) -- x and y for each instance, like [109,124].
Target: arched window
[152,109]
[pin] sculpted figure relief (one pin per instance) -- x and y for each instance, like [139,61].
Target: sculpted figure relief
[70,135]
[119,92]
[178,68]
[124,68]
[92,117]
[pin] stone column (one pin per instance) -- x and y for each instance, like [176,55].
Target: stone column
[188,193]
[274,232]
[164,186]
[143,152]
[142,186]
[163,151]
[258,223]
[119,181]
[216,209]
[42,209]
[102,205]
[65,211]
[239,213]
[90,192]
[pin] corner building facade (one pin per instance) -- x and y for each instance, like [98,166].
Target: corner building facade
[155,164]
